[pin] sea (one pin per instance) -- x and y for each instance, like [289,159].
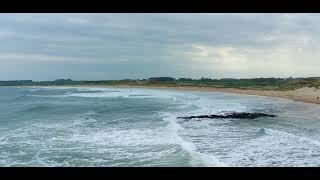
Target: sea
[138,127]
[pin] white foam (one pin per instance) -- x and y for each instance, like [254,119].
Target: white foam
[202,105]
[276,148]
[198,159]
[111,93]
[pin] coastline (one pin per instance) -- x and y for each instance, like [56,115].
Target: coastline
[308,95]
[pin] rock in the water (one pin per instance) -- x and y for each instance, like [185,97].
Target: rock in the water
[230,115]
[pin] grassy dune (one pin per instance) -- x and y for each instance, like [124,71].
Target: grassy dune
[281,84]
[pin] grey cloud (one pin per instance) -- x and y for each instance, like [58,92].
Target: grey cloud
[154,44]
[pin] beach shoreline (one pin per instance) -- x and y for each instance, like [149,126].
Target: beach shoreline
[308,95]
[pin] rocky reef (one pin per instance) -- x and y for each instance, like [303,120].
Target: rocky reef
[229,115]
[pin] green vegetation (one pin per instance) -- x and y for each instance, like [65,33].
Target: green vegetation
[255,83]
[300,83]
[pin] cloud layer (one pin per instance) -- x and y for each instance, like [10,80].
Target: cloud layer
[118,46]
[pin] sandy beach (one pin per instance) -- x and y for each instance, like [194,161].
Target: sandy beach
[305,94]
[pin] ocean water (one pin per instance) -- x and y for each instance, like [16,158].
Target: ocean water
[71,126]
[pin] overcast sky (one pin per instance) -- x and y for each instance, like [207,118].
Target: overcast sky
[119,46]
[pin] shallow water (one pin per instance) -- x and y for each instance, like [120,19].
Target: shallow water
[65,126]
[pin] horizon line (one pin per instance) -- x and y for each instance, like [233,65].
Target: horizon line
[69,79]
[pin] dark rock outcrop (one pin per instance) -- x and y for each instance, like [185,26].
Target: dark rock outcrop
[230,115]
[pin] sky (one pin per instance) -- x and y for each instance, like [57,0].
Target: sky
[137,46]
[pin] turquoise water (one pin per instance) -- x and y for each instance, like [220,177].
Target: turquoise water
[65,126]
